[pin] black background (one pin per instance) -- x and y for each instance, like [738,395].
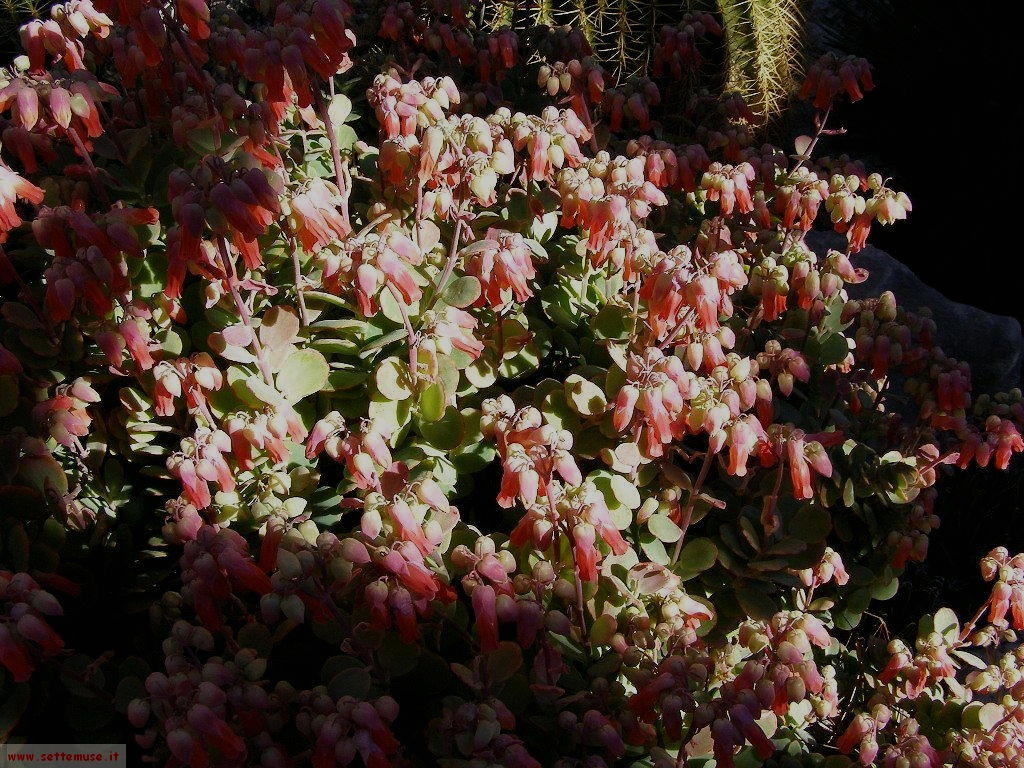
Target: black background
[946,122]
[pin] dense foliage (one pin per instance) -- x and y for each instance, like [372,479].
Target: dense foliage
[284,283]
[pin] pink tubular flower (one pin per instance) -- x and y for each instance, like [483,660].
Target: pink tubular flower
[862,733]
[366,265]
[448,329]
[628,179]
[519,479]
[353,728]
[1000,441]
[608,220]
[234,203]
[551,140]
[582,510]
[193,377]
[65,416]
[503,263]
[406,563]
[830,568]
[327,434]
[402,107]
[483,598]
[12,187]
[263,433]
[584,552]
[786,364]
[24,632]
[182,521]
[133,335]
[653,402]
[215,564]
[60,35]
[677,48]
[743,720]
[729,186]
[802,457]
[798,198]
[678,289]
[911,747]
[366,453]
[834,74]
[702,294]
[1008,590]
[196,16]
[744,435]
[534,454]
[316,217]
[201,461]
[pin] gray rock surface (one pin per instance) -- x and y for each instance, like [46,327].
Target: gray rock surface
[993,345]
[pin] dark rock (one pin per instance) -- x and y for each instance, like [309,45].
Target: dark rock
[993,345]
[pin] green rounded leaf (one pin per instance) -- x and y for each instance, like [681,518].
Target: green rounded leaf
[354,681]
[696,557]
[8,395]
[663,527]
[432,403]
[339,109]
[461,292]
[811,523]
[585,397]
[392,379]
[445,433]
[504,661]
[279,328]
[304,372]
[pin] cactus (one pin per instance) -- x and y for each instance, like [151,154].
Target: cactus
[763,40]
[763,37]
[14,13]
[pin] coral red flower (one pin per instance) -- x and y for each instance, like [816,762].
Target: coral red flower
[12,188]
[317,217]
[503,263]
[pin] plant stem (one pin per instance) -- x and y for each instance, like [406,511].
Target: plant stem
[814,141]
[174,26]
[297,270]
[684,518]
[94,172]
[339,172]
[589,122]
[243,310]
[293,246]
[410,333]
[453,253]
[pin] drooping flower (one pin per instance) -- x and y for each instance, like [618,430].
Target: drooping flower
[25,635]
[65,416]
[316,216]
[369,264]
[503,263]
[802,457]
[652,403]
[1008,590]
[200,461]
[729,186]
[834,74]
[215,564]
[13,187]
[534,454]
